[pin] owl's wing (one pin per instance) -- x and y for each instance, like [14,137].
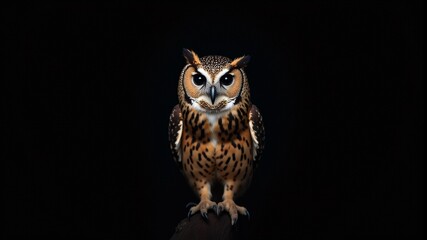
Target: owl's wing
[256,126]
[175,133]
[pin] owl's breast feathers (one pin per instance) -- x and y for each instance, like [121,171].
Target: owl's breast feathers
[226,149]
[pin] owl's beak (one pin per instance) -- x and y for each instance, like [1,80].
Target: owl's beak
[213,94]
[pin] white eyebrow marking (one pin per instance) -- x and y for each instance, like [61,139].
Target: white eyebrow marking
[204,73]
[220,74]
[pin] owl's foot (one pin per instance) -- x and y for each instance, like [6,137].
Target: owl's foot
[203,207]
[233,209]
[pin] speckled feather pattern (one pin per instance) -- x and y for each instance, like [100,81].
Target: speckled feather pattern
[214,64]
[224,151]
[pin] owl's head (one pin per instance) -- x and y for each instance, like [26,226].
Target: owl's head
[213,84]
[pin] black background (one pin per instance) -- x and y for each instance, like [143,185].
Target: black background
[89,89]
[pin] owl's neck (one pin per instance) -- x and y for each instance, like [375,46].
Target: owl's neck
[213,120]
[213,117]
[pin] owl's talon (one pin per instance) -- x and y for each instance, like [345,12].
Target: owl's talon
[248,215]
[215,208]
[190,213]
[190,204]
[233,209]
[203,207]
[219,209]
[233,221]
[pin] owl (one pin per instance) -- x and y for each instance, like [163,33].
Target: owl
[216,134]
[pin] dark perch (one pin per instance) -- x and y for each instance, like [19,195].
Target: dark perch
[215,227]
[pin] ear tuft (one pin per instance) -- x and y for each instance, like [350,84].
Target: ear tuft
[240,62]
[191,57]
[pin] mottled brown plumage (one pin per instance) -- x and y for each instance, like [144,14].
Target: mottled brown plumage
[216,133]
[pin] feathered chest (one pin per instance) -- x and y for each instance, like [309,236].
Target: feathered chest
[214,136]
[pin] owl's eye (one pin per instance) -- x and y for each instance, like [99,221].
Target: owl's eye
[199,79]
[226,80]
